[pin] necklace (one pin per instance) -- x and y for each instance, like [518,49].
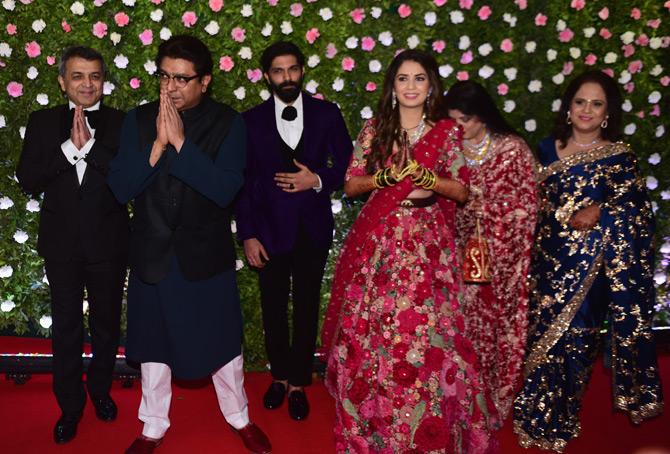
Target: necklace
[585,145]
[419,131]
[476,153]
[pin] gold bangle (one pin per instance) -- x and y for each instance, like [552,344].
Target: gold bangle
[376,182]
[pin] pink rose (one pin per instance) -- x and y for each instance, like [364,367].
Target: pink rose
[51,60]
[605,33]
[226,63]
[484,12]
[503,89]
[604,13]
[331,50]
[666,5]
[665,81]
[568,67]
[635,13]
[367,43]
[566,35]
[66,27]
[147,37]
[254,75]
[14,89]
[156,2]
[629,87]
[522,4]
[135,83]
[577,4]
[466,57]
[590,60]
[370,86]
[540,20]
[656,111]
[11,29]
[99,29]
[609,72]
[439,46]
[273,2]
[465,4]
[215,5]
[99,2]
[121,19]
[312,35]
[189,19]
[642,40]
[296,9]
[506,45]
[462,75]
[318,95]
[640,114]
[628,50]
[357,15]
[348,64]
[635,66]
[654,23]
[238,34]
[404,10]
[440,3]
[33,49]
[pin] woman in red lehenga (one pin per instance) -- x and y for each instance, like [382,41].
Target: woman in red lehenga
[503,203]
[404,377]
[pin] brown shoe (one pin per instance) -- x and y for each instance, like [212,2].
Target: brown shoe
[143,445]
[254,439]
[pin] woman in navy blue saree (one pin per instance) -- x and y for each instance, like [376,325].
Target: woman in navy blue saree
[592,267]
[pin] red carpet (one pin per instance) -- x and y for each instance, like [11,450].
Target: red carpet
[28,412]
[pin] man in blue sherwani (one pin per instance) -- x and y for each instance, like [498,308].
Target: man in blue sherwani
[298,149]
[181,161]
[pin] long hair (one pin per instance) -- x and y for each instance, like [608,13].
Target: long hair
[387,119]
[563,131]
[472,99]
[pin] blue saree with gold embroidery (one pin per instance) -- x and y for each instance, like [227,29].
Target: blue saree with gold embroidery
[582,281]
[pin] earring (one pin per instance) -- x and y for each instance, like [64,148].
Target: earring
[394,101]
[567,119]
[604,123]
[430,92]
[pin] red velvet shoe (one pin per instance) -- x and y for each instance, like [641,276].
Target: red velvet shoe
[143,445]
[254,439]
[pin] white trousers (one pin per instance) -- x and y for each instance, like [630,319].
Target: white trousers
[157,394]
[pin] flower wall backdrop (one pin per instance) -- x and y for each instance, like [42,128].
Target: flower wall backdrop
[524,51]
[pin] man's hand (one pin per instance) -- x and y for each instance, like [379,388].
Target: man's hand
[586,218]
[298,181]
[175,127]
[255,252]
[79,134]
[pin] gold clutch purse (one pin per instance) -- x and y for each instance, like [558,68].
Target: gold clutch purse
[476,265]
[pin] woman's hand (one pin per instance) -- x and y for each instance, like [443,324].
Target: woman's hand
[585,218]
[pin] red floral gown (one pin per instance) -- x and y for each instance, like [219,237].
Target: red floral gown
[404,377]
[496,314]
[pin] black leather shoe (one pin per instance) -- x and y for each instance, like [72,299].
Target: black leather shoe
[66,427]
[298,407]
[274,396]
[105,409]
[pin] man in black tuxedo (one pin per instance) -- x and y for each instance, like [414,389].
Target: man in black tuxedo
[83,232]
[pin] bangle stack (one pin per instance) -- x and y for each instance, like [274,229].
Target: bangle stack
[427,179]
[383,178]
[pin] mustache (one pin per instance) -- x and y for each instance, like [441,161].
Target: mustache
[288,83]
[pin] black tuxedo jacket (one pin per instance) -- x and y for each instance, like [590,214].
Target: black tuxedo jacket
[84,220]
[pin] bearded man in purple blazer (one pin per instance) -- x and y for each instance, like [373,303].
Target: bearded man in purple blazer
[298,149]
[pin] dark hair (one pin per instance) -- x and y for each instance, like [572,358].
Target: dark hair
[387,118]
[563,131]
[86,53]
[472,99]
[278,49]
[188,48]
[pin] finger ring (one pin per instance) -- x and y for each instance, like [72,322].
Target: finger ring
[291,186]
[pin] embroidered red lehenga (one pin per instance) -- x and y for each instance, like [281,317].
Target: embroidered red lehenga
[404,377]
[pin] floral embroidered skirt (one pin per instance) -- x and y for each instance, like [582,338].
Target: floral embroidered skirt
[403,377]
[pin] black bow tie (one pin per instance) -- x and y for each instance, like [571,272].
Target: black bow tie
[289,113]
[93,116]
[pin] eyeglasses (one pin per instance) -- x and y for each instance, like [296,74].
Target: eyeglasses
[179,80]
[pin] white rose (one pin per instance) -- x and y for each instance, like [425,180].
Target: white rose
[446,70]
[654,97]
[156,15]
[627,37]
[655,42]
[165,33]
[560,25]
[6,203]
[121,61]
[84,306]
[32,73]
[264,94]
[150,67]
[610,57]
[351,42]
[22,132]
[313,61]
[660,131]
[3,122]
[556,105]
[534,86]
[212,28]
[652,183]
[7,306]
[626,106]
[239,264]
[366,113]
[665,195]
[624,77]
[130,3]
[551,55]
[77,8]
[326,14]
[630,129]
[558,79]
[376,12]
[338,84]
[108,88]
[245,53]
[430,18]
[6,271]
[9,5]
[530,46]
[575,52]
[660,278]
[386,38]
[509,106]
[656,70]
[311,86]
[115,38]
[240,93]
[20,236]
[45,321]
[374,66]
[39,25]
[456,17]
[267,29]
[511,20]
[233,227]
[464,42]
[42,99]
[589,32]
[5,50]
[33,206]
[530,125]
[247,10]
[654,159]
[485,49]
[413,41]
[510,73]
[335,206]
[486,71]
[286,27]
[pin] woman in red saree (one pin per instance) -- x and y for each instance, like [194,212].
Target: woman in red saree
[404,377]
[503,202]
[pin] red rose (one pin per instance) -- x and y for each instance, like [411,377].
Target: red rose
[392,221]
[410,246]
[404,373]
[409,319]
[404,274]
[359,279]
[464,348]
[360,389]
[433,252]
[432,435]
[450,376]
[434,358]
[400,350]
[380,279]
[361,326]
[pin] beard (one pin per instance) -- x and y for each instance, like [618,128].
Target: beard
[287,91]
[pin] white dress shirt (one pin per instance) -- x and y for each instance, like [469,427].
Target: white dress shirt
[72,154]
[291,131]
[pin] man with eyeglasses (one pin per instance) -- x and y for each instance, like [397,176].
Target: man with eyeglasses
[181,161]
[83,233]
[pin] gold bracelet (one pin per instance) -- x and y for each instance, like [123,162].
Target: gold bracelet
[376,182]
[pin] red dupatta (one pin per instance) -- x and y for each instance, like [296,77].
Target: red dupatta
[427,151]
